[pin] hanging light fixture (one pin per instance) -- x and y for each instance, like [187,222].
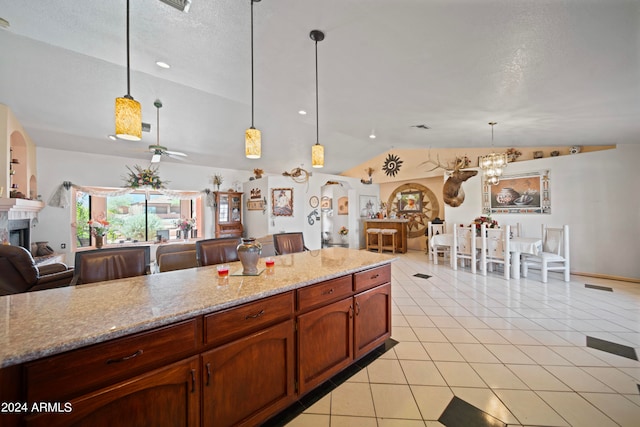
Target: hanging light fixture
[252,136]
[128,110]
[493,164]
[317,150]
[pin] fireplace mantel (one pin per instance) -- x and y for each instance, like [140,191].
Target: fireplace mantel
[20,208]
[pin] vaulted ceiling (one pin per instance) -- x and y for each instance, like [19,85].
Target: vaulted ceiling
[550,72]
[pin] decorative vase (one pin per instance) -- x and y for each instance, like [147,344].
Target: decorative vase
[506,196]
[99,241]
[249,251]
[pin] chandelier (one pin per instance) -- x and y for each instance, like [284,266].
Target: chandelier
[493,164]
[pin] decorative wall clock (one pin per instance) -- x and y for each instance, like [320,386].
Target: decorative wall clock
[392,165]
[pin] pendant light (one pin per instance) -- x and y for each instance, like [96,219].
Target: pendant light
[317,150]
[128,110]
[493,164]
[252,136]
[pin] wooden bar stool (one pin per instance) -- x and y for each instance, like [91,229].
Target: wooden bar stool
[388,233]
[371,233]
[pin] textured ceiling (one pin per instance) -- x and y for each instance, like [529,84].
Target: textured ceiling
[549,72]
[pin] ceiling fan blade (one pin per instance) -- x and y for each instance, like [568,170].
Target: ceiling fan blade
[175,153]
[181,158]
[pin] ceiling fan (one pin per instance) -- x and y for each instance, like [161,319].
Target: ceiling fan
[159,150]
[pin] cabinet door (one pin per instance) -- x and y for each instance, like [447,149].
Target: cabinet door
[250,379]
[372,319]
[325,343]
[223,208]
[165,397]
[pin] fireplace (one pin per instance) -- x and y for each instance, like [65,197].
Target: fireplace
[20,233]
[17,216]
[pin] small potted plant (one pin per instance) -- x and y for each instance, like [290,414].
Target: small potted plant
[99,229]
[217,181]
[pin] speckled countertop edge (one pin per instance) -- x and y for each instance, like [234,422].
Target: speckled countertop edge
[39,324]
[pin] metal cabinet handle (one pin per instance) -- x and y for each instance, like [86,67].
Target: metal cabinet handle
[350,312]
[357,308]
[254,316]
[208,373]
[125,358]
[376,276]
[193,381]
[329,292]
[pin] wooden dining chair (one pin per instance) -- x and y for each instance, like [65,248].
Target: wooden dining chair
[495,249]
[554,255]
[435,251]
[464,239]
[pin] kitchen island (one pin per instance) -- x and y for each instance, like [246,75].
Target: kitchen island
[186,347]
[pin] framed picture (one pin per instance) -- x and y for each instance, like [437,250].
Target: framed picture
[255,205]
[256,193]
[343,206]
[410,201]
[523,193]
[282,201]
[368,206]
[314,201]
[325,203]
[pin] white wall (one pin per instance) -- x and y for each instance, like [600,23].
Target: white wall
[56,166]
[259,225]
[595,193]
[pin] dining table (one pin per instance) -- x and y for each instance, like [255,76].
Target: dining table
[517,247]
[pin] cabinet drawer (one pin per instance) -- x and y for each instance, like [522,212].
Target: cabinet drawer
[325,292]
[236,321]
[373,277]
[84,369]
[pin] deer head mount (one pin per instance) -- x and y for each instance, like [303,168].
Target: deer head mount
[452,191]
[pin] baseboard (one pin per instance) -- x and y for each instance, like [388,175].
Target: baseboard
[607,276]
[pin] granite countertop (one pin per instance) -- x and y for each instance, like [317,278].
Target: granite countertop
[43,323]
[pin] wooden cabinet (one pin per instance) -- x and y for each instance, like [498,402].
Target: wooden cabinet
[85,369]
[168,396]
[332,336]
[228,214]
[250,379]
[372,325]
[238,366]
[325,343]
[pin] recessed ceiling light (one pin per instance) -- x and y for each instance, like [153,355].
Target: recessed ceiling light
[302,112]
[372,136]
[162,64]
[112,137]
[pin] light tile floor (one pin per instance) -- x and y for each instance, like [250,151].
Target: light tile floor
[513,349]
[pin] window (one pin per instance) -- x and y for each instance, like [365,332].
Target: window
[134,217]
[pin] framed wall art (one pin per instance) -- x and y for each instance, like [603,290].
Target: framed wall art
[343,206]
[523,193]
[255,205]
[282,201]
[410,201]
[325,203]
[368,206]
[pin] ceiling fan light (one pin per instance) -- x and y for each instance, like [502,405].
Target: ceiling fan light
[156,157]
[128,119]
[317,156]
[253,143]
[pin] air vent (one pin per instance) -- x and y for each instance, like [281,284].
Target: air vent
[146,127]
[425,127]
[181,5]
